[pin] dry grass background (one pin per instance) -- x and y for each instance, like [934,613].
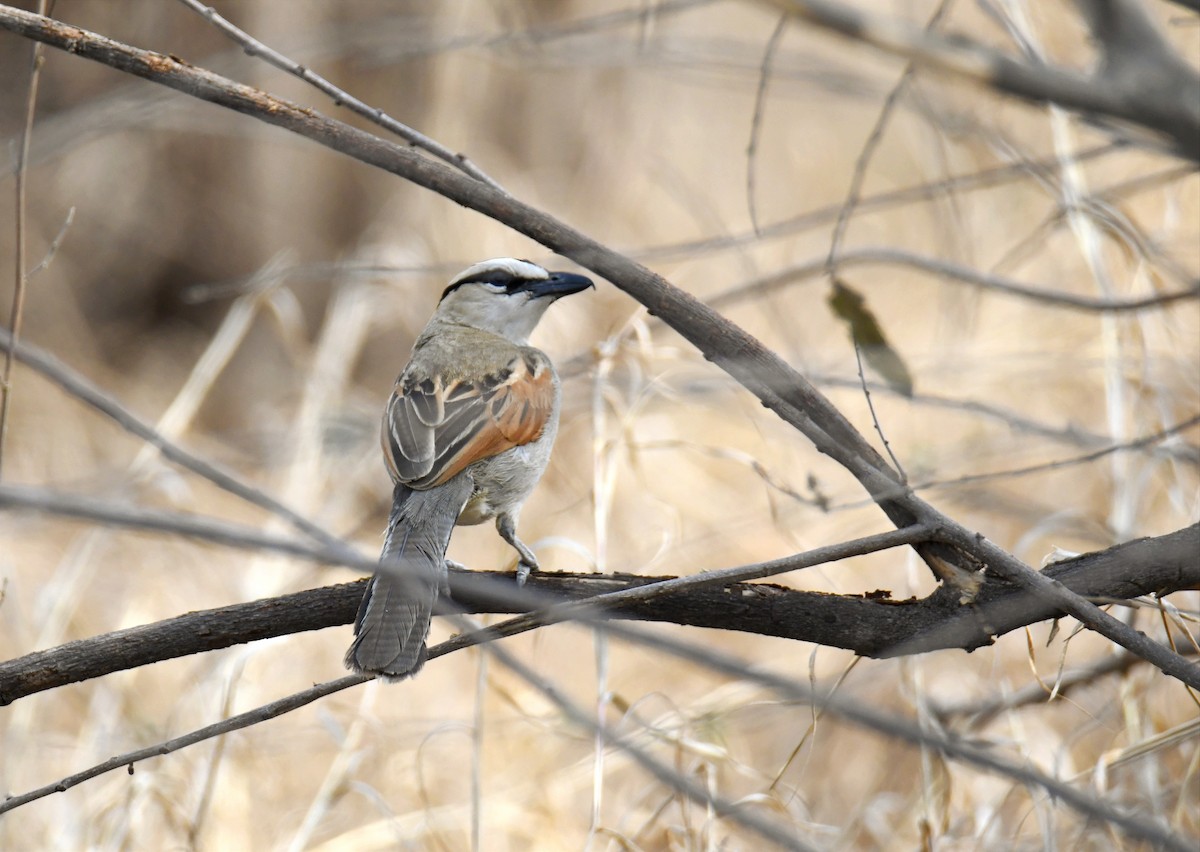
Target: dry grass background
[634,129]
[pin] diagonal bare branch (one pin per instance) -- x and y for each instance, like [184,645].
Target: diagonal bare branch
[78,386]
[761,371]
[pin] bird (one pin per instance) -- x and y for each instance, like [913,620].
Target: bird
[466,436]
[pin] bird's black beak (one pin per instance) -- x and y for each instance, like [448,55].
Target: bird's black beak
[559,284]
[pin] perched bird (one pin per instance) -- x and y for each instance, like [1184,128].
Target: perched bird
[466,436]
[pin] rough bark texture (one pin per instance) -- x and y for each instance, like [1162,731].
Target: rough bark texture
[872,625]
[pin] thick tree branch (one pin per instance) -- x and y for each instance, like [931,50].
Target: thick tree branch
[872,625]
[1140,80]
[884,722]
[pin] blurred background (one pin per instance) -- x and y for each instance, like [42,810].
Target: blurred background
[255,295]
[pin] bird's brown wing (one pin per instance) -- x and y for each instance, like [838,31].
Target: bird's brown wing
[433,429]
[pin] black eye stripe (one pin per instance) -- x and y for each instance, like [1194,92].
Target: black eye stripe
[496,276]
[499,277]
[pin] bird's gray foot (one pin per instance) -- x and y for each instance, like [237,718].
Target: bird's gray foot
[524,569]
[444,581]
[527,563]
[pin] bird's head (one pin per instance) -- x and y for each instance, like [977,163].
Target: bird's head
[506,296]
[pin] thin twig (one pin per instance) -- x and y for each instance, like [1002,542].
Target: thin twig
[195,826]
[55,245]
[88,393]
[859,176]
[1042,467]
[889,724]
[1101,205]
[980,711]
[107,511]
[673,778]
[1070,435]
[866,390]
[857,179]
[1139,82]
[954,272]
[225,726]
[1058,464]
[254,47]
[756,118]
[786,228]
[20,274]
[729,454]
[783,278]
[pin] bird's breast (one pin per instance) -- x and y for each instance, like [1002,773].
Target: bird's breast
[504,481]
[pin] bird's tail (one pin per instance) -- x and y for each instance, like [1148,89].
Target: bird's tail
[393,618]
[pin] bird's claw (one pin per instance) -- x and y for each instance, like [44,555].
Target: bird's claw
[444,582]
[524,569]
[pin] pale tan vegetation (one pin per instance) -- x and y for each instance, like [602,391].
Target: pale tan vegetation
[254,295]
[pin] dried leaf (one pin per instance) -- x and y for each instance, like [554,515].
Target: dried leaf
[867,334]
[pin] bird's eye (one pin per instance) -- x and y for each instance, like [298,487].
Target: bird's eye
[493,287]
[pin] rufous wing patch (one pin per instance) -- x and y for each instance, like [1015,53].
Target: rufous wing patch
[474,421]
[521,414]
